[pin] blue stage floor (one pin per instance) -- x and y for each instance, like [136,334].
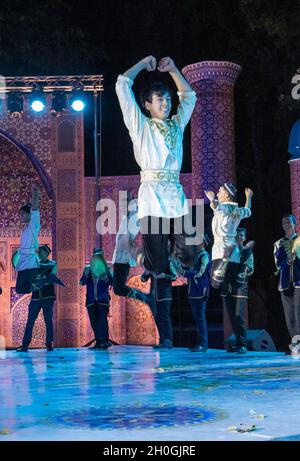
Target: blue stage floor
[135,393]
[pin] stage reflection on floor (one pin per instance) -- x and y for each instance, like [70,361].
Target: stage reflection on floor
[136,393]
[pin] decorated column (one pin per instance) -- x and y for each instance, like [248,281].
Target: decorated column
[69,231]
[212,124]
[294,150]
[295,187]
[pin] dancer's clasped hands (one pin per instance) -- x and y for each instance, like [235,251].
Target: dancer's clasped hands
[164,65]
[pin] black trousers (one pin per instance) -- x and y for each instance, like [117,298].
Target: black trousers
[98,318]
[234,300]
[33,311]
[163,320]
[236,311]
[120,277]
[291,306]
[24,281]
[198,307]
[161,237]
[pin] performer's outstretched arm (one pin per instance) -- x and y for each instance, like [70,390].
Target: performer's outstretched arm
[167,65]
[187,96]
[211,197]
[35,198]
[249,195]
[132,115]
[148,63]
[35,223]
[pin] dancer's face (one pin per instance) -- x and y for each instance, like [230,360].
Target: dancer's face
[160,106]
[223,195]
[240,238]
[288,226]
[43,255]
[24,217]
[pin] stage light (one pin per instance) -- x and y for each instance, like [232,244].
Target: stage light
[77,101]
[37,101]
[59,103]
[37,105]
[15,104]
[77,105]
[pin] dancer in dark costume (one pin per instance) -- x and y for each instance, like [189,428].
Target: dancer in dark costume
[235,294]
[228,270]
[287,260]
[42,299]
[98,280]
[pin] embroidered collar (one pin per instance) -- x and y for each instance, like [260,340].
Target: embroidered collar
[160,120]
[292,237]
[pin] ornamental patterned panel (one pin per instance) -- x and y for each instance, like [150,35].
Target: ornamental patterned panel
[67,185]
[67,234]
[212,124]
[68,178]
[3,253]
[68,332]
[295,189]
[17,176]
[19,319]
[32,131]
[66,136]
[117,319]
[140,324]
[69,293]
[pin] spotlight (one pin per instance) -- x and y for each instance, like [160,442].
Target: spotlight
[77,105]
[37,101]
[15,104]
[77,101]
[59,103]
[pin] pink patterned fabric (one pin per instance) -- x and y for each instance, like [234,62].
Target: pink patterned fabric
[212,124]
[295,189]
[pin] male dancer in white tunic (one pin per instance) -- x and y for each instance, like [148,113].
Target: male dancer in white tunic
[157,142]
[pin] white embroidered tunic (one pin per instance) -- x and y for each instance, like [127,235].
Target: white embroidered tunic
[227,217]
[29,243]
[158,150]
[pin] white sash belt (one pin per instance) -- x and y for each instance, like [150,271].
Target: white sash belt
[160,175]
[27,251]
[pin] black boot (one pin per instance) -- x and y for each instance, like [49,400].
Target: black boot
[147,298]
[218,275]
[145,276]
[22,349]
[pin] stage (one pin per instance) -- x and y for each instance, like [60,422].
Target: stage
[135,393]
